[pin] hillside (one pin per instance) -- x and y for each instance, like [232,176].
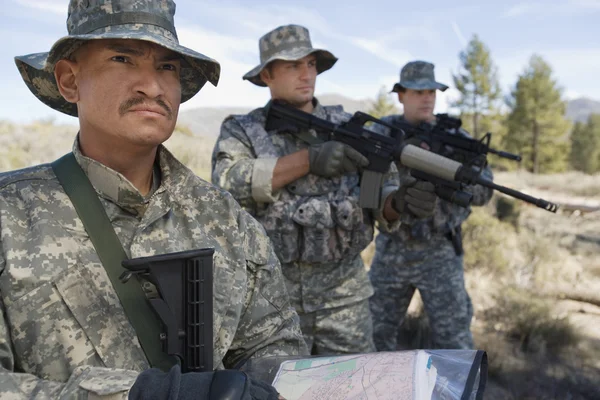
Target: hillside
[579,109]
[206,121]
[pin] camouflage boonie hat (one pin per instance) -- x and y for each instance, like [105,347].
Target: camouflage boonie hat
[148,20]
[418,75]
[288,43]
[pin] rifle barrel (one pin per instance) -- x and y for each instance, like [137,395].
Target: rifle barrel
[505,154]
[546,205]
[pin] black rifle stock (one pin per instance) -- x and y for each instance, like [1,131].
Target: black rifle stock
[381,150]
[184,281]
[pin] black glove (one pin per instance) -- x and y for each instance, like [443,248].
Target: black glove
[223,384]
[415,196]
[333,158]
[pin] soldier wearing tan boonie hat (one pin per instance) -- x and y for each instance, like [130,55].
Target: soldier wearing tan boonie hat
[70,327]
[304,188]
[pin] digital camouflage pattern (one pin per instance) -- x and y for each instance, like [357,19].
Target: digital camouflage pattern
[148,20]
[418,75]
[353,320]
[421,255]
[432,267]
[316,225]
[64,333]
[289,43]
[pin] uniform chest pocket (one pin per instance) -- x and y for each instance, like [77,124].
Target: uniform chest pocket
[67,322]
[317,236]
[354,230]
[281,229]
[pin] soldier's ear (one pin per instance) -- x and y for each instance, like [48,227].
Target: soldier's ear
[65,73]
[401,97]
[266,75]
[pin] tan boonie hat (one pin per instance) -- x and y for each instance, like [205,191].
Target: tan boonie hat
[418,75]
[149,20]
[288,43]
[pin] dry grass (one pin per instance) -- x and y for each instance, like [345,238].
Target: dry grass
[516,258]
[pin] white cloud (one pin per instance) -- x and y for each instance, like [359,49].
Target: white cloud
[227,50]
[461,38]
[569,7]
[573,68]
[522,9]
[380,49]
[53,6]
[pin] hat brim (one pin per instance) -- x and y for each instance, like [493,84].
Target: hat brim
[325,60]
[429,85]
[37,70]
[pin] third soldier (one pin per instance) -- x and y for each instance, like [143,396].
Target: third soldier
[425,254]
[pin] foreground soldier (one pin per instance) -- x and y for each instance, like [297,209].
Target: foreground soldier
[64,332]
[427,254]
[305,191]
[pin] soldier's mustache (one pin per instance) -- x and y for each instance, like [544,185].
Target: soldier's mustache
[126,105]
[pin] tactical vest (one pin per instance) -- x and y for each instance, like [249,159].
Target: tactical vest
[315,219]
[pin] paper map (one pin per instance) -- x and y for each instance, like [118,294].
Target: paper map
[381,376]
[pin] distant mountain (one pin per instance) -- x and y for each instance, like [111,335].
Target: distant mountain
[578,110]
[206,121]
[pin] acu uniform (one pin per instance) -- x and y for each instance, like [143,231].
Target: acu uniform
[421,255]
[317,228]
[424,254]
[63,330]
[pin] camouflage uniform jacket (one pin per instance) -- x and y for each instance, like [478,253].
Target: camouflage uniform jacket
[314,220]
[447,216]
[64,333]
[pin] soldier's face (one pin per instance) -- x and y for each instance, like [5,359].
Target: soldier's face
[292,81]
[418,105]
[128,91]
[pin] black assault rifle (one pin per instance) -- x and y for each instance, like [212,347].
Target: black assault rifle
[447,175]
[467,149]
[184,281]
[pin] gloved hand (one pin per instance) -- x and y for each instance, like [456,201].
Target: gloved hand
[223,384]
[415,196]
[333,158]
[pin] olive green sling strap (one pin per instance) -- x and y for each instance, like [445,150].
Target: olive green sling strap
[110,251]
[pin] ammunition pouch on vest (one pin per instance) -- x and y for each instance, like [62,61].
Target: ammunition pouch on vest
[315,219]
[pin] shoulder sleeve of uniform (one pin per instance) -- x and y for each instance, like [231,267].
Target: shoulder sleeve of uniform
[231,127]
[38,172]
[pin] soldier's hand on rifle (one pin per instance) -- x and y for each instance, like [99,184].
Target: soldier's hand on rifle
[333,158]
[415,196]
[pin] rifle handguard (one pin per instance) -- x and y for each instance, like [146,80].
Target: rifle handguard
[428,162]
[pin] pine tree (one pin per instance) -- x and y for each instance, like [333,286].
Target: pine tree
[537,128]
[478,85]
[383,106]
[585,145]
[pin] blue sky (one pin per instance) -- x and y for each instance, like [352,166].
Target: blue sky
[372,40]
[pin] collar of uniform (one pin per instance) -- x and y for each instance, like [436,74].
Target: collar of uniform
[114,186]
[318,109]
